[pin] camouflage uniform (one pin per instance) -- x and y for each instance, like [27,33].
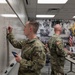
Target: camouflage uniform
[33,55]
[57,55]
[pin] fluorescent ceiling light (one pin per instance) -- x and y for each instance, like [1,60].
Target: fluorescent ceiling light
[8,15]
[45,16]
[73,16]
[3,1]
[52,1]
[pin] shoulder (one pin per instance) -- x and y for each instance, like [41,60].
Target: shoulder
[22,41]
[59,41]
[39,45]
[52,38]
[57,37]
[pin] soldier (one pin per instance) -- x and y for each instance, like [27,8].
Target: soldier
[57,52]
[33,55]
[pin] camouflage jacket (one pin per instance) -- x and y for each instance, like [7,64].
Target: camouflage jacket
[57,51]
[32,53]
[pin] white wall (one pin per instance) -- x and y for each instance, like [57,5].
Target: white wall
[17,25]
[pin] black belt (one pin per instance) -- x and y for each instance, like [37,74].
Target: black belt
[30,71]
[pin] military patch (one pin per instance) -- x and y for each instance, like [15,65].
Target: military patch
[58,43]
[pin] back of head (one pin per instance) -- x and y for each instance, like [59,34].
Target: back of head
[35,25]
[57,27]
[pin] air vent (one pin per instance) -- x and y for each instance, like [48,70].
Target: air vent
[53,10]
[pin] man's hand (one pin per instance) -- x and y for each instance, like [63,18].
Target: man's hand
[68,52]
[18,58]
[9,29]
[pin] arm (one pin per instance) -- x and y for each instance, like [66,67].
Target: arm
[37,62]
[60,48]
[15,43]
[68,52]
[10,37]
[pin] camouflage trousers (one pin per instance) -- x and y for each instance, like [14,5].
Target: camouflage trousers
[57,70]
[28,73]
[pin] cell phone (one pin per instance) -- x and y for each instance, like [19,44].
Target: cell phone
[14,53]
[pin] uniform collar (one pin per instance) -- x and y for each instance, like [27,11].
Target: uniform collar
[31,41]
[56,35]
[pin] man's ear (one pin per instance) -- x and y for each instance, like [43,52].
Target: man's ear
[30,28]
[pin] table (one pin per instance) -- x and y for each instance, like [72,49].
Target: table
[72,61]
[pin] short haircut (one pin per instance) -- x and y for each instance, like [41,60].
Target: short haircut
[35,25]
[57,27]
